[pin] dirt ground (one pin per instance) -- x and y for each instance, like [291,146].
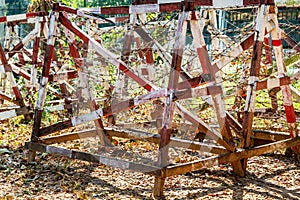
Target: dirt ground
[273,176]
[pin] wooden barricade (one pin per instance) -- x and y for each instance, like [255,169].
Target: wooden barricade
[180,86]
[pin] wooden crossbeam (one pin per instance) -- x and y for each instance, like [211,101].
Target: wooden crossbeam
[220,63]
[272,83]
[169,170]
[138,135]
[113,162]
[164,6]
[21,17]
[127,104]
[229,157]
[8,70]
[270,135]
[103,52]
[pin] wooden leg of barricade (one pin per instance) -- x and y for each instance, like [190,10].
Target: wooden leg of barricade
[238,168]
[31,156]
[158,191]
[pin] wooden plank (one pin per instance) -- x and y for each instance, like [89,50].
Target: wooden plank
[210,76]
[220,63]
[254,73]
[270,135]
[66,75]
[8,98]
[164,6]
[203,127]
[165,132]
[19,18]
[137,135]
[282,71]
[234,124]
[169,105]
[8,70]
[272,83]
[113,162]
[109,56]
[45,75]
[229,157]
[103,112]
[197,92]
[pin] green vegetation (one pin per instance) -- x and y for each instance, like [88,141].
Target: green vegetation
[288,2]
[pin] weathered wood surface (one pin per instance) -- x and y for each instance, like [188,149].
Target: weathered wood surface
[113,162]
[229,157]
[138,135]
[169,170]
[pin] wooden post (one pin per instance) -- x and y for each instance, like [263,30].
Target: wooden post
[254,73]
[36,45]
[165,132]
[286,91]
[268,51]
[215,78]
[43,82]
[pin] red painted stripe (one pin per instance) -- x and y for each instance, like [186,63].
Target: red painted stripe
[21,58]
[285,81]
[256,58]
[115,10]
[276,43]
[214,68]
[30,15]
[204,3]
[149,56]
[290,114]
[67,9]
[3,19]
[18,47]
[251,2]
[204,60]
[123,68]
[266,40]
[63,89]
[66,22]
[139,2]
[75,55]
[2,56]
[48,59]
[134,77]
[24,75]
[122,19]
[138,45]
[148,87]
[247,43]
[169,7]
[268,50]
[261,85]
[17,93]
[35,50]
